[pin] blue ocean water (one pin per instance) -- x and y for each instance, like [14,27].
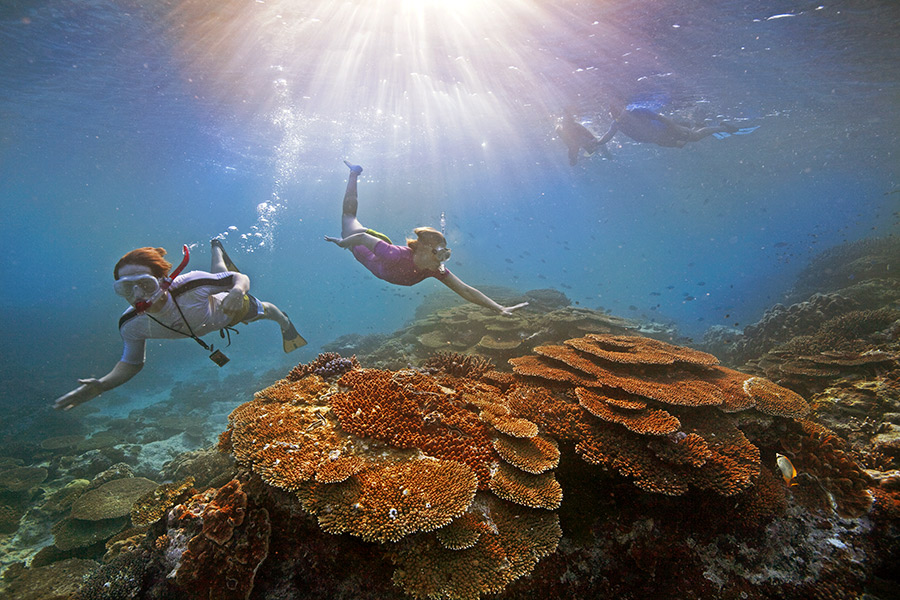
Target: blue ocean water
[125,124]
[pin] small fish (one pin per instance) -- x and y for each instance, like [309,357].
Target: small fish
[786,467]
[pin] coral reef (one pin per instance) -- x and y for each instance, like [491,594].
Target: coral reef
[466,329]
[860,261]
[390,456]
[111,500]
[458,481]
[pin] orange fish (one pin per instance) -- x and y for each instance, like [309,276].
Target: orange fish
[786,467]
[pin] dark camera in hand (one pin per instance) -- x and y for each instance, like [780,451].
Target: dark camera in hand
[219,358]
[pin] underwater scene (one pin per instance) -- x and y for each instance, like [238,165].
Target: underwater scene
[449,299]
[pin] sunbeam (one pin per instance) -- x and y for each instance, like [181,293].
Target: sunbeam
[419,76]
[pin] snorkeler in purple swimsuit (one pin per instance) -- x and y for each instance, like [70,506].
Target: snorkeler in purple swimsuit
[403,265]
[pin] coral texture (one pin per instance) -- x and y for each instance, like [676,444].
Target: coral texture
[390,456]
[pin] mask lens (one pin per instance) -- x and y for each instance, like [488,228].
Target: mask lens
[142,286]
[441,253]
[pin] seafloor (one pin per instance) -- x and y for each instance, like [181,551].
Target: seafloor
[559,453]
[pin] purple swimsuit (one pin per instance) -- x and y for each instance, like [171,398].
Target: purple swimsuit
[394,264]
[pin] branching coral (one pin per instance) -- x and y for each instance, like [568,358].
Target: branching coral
[458,365]
[826,469]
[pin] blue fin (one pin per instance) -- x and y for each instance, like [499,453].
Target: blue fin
[746,130]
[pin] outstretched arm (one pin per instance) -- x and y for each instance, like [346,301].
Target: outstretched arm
[475,296]
[91,388]
[357,239]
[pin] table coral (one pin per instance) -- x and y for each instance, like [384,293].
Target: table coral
[663,424]
[21,479]
[639,350]
[391,455]
[510,542]
[533,490]
[112,499]
[389,503]
[532,454]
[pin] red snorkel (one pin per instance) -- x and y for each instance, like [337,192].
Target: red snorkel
[142,305]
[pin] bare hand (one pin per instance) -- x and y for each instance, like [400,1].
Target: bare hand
[507,310]
[233,302]
[88,390]
[334,240]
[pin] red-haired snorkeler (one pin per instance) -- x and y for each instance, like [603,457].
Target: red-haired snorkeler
[195,304]
[419,259]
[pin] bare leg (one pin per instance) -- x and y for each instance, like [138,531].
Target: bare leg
[349,223]
[217,264]
[273,313]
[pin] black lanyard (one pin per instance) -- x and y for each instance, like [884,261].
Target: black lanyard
[193,336]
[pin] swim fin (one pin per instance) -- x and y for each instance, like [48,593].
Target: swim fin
[217,243]
[292,340]
[743,131]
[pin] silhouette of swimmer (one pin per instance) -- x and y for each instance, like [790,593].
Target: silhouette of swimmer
[645,125]
[576,137]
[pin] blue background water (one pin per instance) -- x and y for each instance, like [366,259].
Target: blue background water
[124,124]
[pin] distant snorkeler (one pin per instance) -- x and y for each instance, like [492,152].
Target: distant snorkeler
[576,137]
[644,124]
[177,306]
[403,265]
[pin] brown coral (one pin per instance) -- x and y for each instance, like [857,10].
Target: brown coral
[112,499]
[224,512]
[510,544]
[826,469]
[646,421]
[153,505]
[533,455]
[535,491]
[227,569]
[458,365]
[463,532]
[408,409]
[663,425]
[628,349]
[389,503]
[20,479]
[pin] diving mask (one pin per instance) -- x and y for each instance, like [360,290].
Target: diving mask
[441,253]
[137,287]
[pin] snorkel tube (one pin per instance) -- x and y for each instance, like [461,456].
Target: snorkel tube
[142,305]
